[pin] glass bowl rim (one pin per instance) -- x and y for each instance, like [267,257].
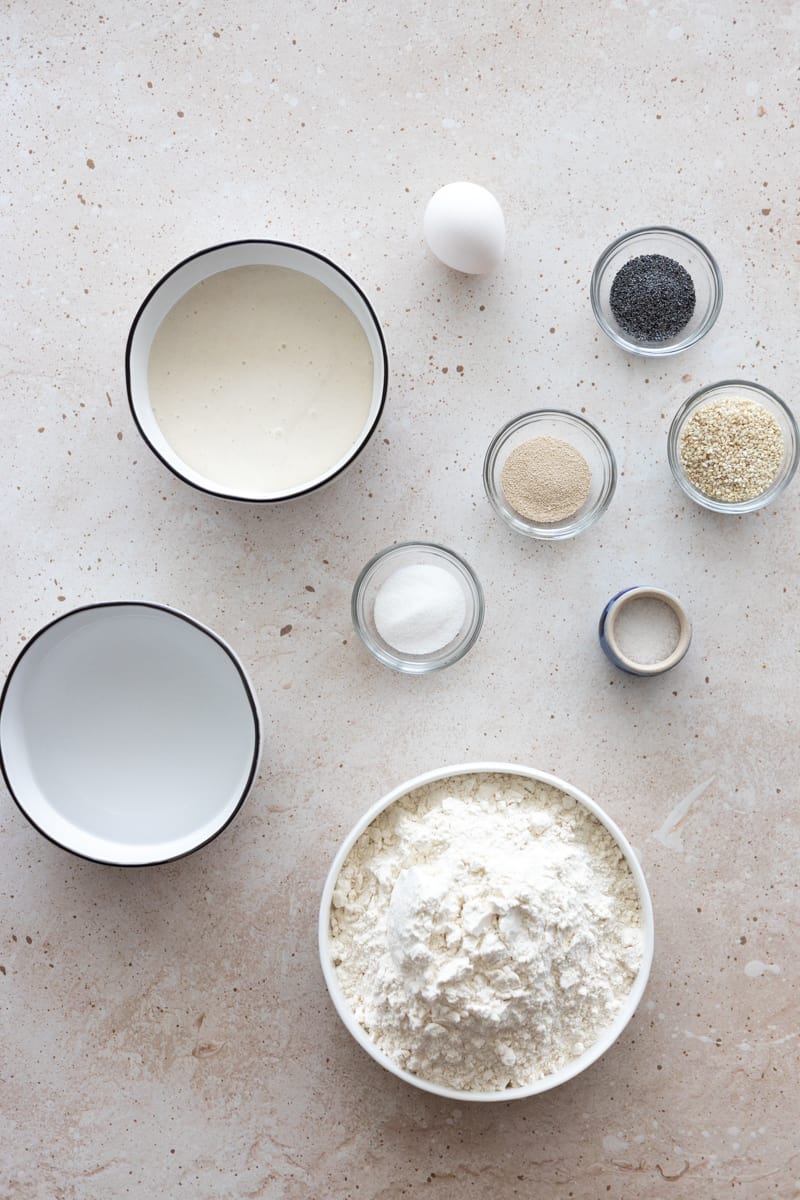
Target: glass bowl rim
[420,664]
[655,349]
[545,533]
[739,507]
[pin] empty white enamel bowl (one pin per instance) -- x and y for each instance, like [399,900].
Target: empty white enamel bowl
[608,1036]
[129,733]
[201,267]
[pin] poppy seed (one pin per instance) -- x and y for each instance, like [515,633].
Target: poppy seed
[652,297]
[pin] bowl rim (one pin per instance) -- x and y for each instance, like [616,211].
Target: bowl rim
[419,664]
[249,692]
[654,350]
[608,630]
[545,533]
[364,437]
[611,1033]
[737,507]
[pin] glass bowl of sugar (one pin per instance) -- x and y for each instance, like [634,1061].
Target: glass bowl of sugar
[644,631]
[549,474]
[417,607]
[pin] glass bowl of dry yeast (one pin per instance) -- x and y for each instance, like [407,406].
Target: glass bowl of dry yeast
[549,474]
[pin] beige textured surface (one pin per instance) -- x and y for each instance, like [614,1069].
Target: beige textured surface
[166,1032]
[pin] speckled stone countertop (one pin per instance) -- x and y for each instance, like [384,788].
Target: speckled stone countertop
[166,1032]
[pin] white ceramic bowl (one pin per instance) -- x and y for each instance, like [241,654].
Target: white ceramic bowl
[129,733]
[610,1034]
[169,290]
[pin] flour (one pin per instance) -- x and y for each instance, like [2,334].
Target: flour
[485,931]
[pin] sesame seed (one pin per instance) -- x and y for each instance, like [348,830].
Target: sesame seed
[731,449]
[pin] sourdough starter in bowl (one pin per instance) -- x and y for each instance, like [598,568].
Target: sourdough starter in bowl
[256,370]
[485,931]
[261,378]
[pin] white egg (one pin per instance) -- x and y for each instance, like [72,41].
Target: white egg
[464,227]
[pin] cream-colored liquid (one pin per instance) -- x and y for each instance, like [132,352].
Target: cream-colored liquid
[260,379]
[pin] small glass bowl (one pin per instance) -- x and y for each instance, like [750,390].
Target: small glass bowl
[684,249]
[378,570]
[738,389]
[567,427]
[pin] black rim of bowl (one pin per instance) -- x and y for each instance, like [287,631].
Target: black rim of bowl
[304,491]
[173,612]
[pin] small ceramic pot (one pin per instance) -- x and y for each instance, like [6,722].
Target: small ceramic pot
[614,647]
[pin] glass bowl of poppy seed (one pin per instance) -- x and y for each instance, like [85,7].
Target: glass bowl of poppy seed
[549,474]
[656,291]
[733,446]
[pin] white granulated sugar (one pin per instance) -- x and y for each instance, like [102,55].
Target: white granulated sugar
[485,931]
[420,608]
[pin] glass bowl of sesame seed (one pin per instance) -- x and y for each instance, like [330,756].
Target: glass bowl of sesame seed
[549,474]
[733,446]
[656,291]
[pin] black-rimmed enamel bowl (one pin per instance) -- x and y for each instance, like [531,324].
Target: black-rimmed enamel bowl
[129,733]
[257,393]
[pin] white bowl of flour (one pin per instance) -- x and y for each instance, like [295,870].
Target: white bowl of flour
[485,932]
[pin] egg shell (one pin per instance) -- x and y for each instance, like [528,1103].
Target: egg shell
[465,229]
